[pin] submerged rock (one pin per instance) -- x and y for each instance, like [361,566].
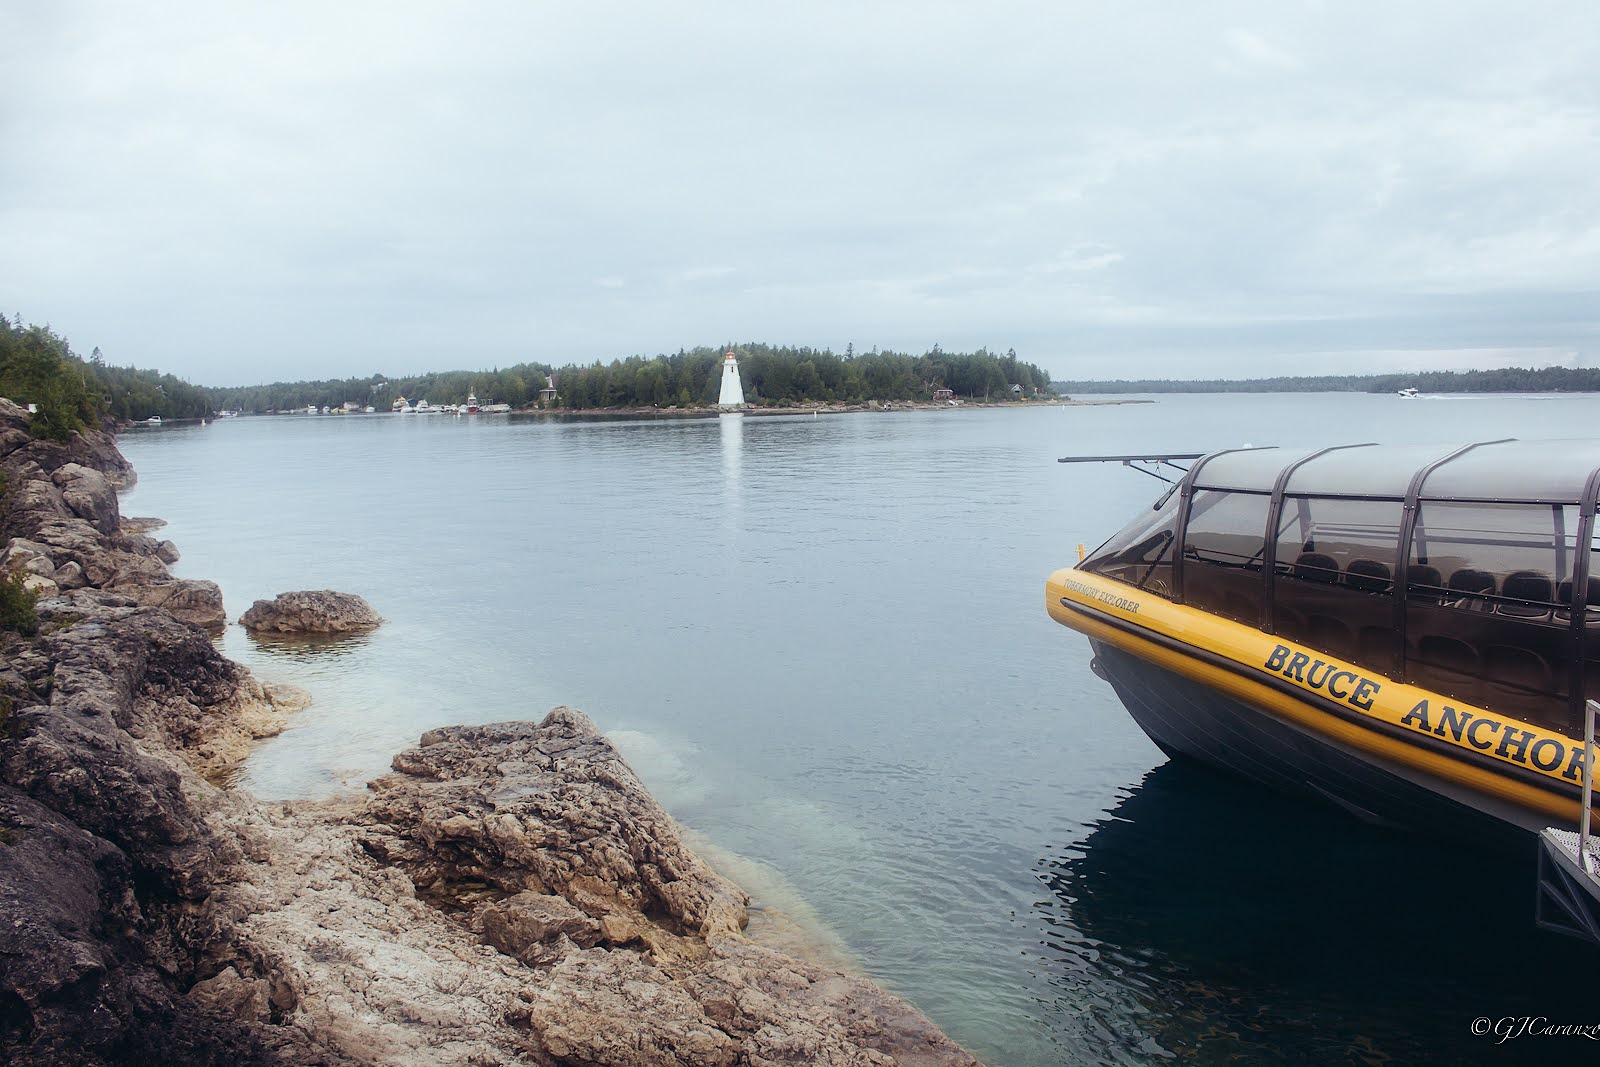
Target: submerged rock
[317,611]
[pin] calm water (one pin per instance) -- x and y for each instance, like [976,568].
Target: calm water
[823,644]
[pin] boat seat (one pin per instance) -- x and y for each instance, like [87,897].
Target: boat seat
[1520,683]
[1469,588]
[1448,654]
[1241,608]
[1368,576]
[1424,583]
[1330,635]
[1289,622]
[1591,685]
[1447,665]
[1531,592]
[1517,668]
[1564,596]
[1316,567]
[1375,647]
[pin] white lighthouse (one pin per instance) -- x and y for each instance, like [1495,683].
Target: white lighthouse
[732,390]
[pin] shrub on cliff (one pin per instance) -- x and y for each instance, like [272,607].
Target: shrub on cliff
[37,368]
[17,603]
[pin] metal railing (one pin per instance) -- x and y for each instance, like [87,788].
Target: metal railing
[1590,709]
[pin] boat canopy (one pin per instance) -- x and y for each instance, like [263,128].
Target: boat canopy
[1545,471]
[1467,569]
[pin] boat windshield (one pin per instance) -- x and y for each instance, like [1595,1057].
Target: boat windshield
[1141,553]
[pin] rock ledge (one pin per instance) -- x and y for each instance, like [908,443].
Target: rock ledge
[311,611]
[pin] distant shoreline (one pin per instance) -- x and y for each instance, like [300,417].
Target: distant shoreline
[698,412]
[823,408]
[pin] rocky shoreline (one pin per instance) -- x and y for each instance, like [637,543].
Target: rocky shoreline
[510,893]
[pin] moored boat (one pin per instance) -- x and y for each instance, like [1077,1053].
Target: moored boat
[1408,632]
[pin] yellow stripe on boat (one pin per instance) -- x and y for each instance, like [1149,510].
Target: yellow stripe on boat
[1371,701]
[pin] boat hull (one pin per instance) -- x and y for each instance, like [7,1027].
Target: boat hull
[1187,719]
[1297,719]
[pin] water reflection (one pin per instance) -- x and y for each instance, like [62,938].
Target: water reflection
[303,646]
[1204,915]
[732,458]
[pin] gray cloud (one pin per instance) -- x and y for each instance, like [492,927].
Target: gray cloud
[238,192]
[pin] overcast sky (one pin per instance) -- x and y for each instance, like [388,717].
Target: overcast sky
[248,192]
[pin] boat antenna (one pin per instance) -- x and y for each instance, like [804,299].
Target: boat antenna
[1163,460]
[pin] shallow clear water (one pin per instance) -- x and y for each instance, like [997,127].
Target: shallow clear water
[823,644]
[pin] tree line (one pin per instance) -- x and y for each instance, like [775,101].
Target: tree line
[771,375]
[1502,380]
[517,386]
[38,366]
[777,376]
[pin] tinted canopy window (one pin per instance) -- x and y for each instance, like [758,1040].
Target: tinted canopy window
[1141,553]
[1227,529]
[1320,537]
[1335,562]
[1492,555]
[1487,619]
[1224,546]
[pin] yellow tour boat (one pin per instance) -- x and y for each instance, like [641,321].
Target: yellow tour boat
[1406,631]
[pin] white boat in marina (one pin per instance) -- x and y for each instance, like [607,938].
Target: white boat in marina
[425,408]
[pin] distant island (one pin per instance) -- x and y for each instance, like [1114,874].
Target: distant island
[38,366]
[1504,380]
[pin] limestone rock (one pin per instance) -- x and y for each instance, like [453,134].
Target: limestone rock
[141,524]
[788,1011]
[320,611]
[145,545]
[70,575]
[156,678]
[42,587]
[191,599]
[547,808]
[531,926]
[90,495]
[314,945]
[75,540]
[614,1008]
[285,697]
[29,556]
[75,961]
